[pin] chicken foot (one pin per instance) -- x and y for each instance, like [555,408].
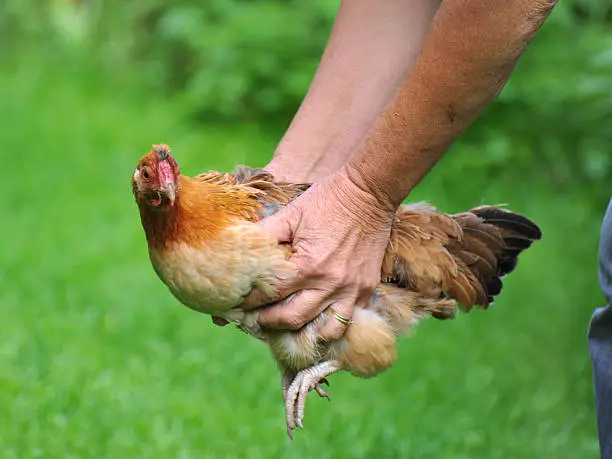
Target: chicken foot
[303,382]
[287,378]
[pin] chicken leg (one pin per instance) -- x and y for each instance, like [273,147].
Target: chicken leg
[286,378]
[305,381]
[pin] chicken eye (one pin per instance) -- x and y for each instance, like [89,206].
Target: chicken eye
[145,174]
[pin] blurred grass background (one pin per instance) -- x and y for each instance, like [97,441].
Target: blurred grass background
[98,360]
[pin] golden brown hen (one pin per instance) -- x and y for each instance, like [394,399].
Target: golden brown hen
[205,246]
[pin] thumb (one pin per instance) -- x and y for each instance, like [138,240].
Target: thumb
[280,225]
[219,321]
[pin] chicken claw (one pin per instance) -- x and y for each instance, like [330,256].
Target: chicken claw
[305,381]
[322,392]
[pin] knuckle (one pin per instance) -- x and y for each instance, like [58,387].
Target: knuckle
[304,264]
[283,291]
[308,271]
[296,320]
[314,265]
[335,333]
[337,279]
[370,284]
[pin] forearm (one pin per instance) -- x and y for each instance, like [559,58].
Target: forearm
[371,48]
[467,58]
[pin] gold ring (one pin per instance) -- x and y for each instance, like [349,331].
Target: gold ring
[343,320]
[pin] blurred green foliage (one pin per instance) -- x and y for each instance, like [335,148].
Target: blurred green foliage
[249,61]
[98,360]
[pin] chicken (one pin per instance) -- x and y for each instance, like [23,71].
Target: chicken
[205,246]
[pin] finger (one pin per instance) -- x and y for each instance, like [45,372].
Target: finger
[334,327]
[283,288]
[294,312]
[365,298]
[219,321]
[280,225]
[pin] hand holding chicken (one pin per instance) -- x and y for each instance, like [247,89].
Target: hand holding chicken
[206,245]
[338,235]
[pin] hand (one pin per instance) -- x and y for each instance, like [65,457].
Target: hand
[339,234]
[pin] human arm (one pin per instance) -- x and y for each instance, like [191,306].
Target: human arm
[467,58]
[340,227]
[371,48]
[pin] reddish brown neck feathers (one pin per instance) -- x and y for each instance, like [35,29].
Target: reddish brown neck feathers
[201,210]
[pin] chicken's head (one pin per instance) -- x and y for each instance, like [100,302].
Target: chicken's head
[155,181]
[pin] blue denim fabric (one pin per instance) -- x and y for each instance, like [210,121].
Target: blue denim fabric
[600,341]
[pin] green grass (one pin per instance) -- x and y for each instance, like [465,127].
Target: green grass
[98,360]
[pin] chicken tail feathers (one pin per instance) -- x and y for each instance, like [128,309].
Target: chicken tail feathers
[493,239]
[461,257]
[517,232]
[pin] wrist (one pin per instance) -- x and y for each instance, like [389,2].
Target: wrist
[363,206]
[298,167]
[293,166]
[282,173]
[362,179]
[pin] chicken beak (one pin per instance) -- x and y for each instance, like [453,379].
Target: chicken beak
[170,191]
[167,180]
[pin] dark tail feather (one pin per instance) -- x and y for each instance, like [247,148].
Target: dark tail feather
[493,238]
[517,231]
[503,218]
